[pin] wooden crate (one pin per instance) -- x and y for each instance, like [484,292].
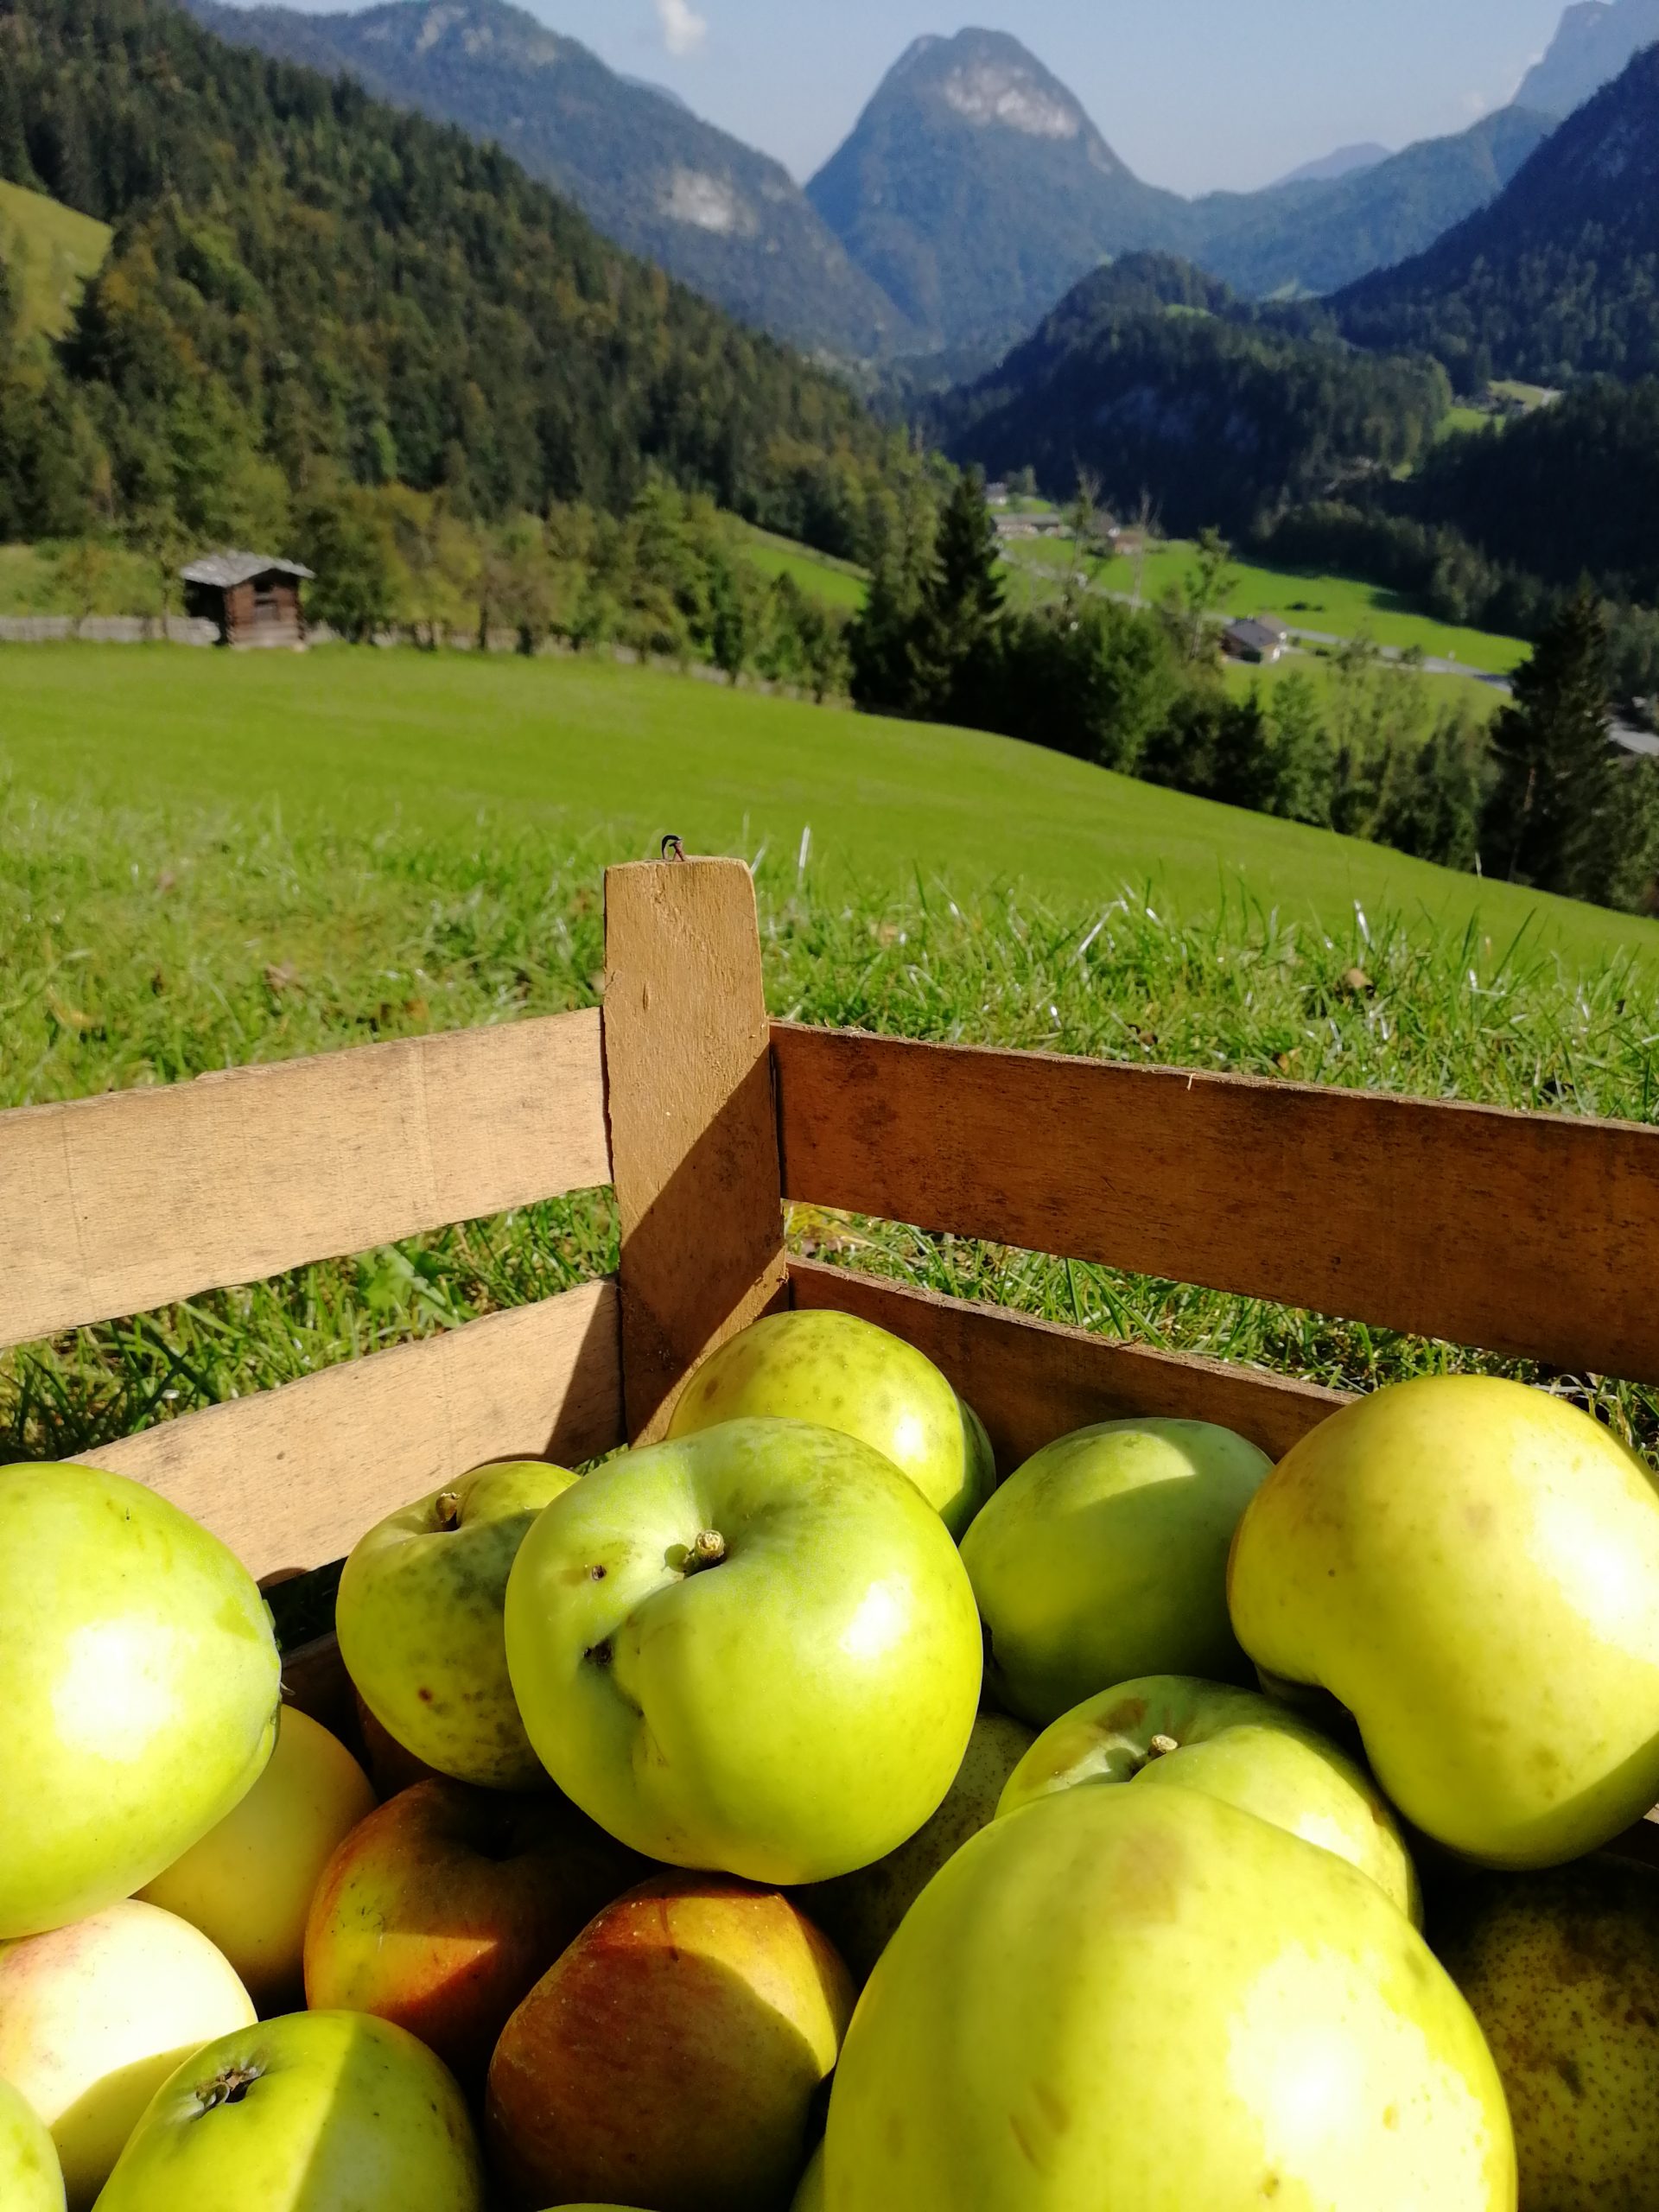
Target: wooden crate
[1523,1234]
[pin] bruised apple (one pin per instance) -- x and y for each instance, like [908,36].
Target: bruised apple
[1146,2000]
[672,2055]
[837,1371]
[441,1910]
[1169,1732]
[1472,1568]
[248,1883]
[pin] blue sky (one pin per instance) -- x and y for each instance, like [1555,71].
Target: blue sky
[1193,93]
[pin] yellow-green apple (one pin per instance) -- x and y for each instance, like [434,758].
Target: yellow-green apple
[1171,1731]
[139,1679]
[31,2178]
[1563,1972]
[859,1911]
[94,2016]
[248,1883]
[808,2198]
[1105,1557]
[1472,1568]
[390,1767]
[443,1909]
[313,2112]
[419,1618]
[673,2054]
[1147,1998]
[837,1371]
[754,1649]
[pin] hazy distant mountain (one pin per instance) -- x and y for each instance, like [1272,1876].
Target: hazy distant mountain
[1347,161]
[1317,238]
[725,219]
[1559,275]
[1596,41]
[975,190]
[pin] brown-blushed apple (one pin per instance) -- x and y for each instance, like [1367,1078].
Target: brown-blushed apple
[31,2179]
[835,1370]
[858,1912]
[1104,1557]
[672,2055]
[754,1648]
[1168,1732]
[419,1619]
[313,2112]
[140,1681]
[442,1909]
[248,1883]
[1472,1568]
[1563,1972]
[1146,1998]
[94,2016]
[391,1768]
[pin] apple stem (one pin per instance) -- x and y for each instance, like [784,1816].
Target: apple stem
[1161,1747]
[707,1549]
[448,1509]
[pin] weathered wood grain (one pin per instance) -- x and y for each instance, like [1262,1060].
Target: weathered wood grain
[694,1137]
[1030,1381]
[1531,1235]
[292,1477]
[115,1205]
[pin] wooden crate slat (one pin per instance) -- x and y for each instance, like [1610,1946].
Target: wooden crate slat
[291,1478]
[1031,1381]
[694,1133]
[1525,1234]
[117,1204]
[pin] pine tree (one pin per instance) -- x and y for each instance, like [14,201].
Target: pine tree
[1568,814]
[962,605]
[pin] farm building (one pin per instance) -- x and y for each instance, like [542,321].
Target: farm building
[1258,639]
[253,599]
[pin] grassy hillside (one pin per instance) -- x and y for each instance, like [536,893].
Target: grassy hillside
[363,740]
[839,583]
[50,251]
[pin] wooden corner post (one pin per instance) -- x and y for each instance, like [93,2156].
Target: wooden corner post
[694,1130]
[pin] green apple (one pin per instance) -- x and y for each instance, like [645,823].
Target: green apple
[1472,1568]
[140,1682]
[836,1371]
[753,1650]
[1105,1558]
[94,2016]
[1171,1731]
[808,2198]
[29,2177]
[310,2112]
[248,1883]
[1563,1972]
[1147,1998]
[419,1618]
[859,1911]
[675,2054]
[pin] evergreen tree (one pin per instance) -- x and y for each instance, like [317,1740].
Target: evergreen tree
[1568,813]
[962,604]
[1435,814]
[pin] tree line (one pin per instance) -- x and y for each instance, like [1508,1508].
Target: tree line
[1542,797]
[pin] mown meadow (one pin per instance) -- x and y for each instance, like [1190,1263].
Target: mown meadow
[208,861]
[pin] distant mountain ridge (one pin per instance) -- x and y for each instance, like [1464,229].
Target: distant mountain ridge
[1597,41]
[1347,161]
[728,222]
[1559,277]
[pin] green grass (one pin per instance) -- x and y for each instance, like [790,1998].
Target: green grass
[819,575]
[361,739]
[52,250]
[1318,664]
[1463,421]
[1340,607]
[148,932]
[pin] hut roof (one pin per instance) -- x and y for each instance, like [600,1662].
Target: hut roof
[224,571]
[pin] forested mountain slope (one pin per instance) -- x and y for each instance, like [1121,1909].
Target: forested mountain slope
[721,218]
[1559,275]
[305,281]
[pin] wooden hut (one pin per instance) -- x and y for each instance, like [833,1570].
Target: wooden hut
[252,599]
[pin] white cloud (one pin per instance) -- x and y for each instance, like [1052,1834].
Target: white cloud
[683,29]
